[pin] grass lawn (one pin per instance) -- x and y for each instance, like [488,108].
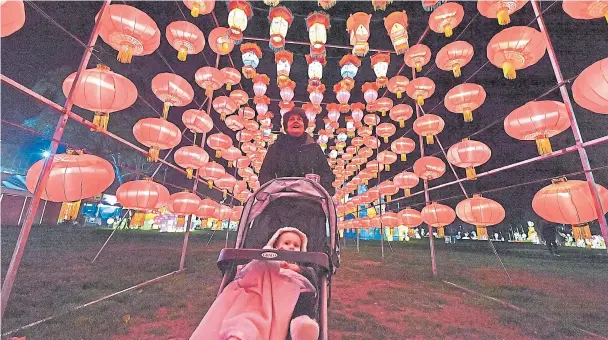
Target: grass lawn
[373,298]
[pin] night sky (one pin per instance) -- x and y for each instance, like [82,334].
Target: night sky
[41,55]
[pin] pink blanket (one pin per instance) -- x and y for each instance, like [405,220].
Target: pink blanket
[257,305]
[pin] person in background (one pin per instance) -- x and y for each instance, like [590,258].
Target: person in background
[295,154]
[549,231]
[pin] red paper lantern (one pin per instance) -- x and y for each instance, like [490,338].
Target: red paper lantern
[389,219]
[398,85]
[445,18]
[172,90]
[438,216]
[186,38]
[387,158]
[210,79]
[590,89]
[190,158]
[428,126]
[232,77]
[429,167]
[207,208]
[468,154]
[220,42]
[226,183]
[420,89]
[383,105]
[198,7]
[218,142]
[586,9]
[157,134]
[465,98]
[481,212]
[385,130]
[240,97]
[406,180]
[197,121]
[142,195]
[417,56]
[500,9]
[516,48]
[400,113]
[183,203]
[224,106]
[410,218]
[223,213]
[13,17]
[453,56]
[211,172]
[402,146]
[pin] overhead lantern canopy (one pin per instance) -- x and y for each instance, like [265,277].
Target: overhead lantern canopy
[501,9]
[516,48]
[381,4]
[280,20]
[349,65]
[317,24]
[453,56]
[283,59]
[380,63]
[315,69]
[250,54]
[186,38]
[586,9]
[239,12]
[465,98]
[446,17]
[198,7]
[396,28]
[357,26]
[417,56]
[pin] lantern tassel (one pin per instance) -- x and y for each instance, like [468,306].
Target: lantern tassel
[388,198]
[429,139]
[100,120]
[471,174]
[166,107]
[399,94]
[230,164]
[189,173]
[228,86]
[482,233]
[209,92]
[218,153]
[194,139]
[153,154]
[210,183]
[543,145]
[606,16]
[401,123]
[223,116]
[503,17]
[225,194]
[406,192]
[456,70]
[196,9]
[403,157]
[125,54]
[440,232]
[508,70]
[182,54]
[447,29]
[383,113]
[418,66]
[581,232]
[385,139]
[468,115]
[420,100]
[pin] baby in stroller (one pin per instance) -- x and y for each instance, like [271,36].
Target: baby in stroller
[302,326]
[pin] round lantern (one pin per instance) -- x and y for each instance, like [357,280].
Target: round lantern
[402,146]
[224,106]
[406,180]
[287,88]
[420,89]
[316,94]
[538,120]
[172,90]
[387,189]
[223,213]
[387,158]
[231,154]
[400,113]
[186,38]
[280,20]
[240,97]
[453,56]
[246,113]
[239,12]
[218,142]
[235,123]
[232,77]
[398,85]
[380,63]
[465,98]
[428,126]
[129,31]
[516,48]
[429,168]
[225,183]
[198,7]
[157,134]
[417,56]
[260,84]
[410,218]
[315,69]
[357,27]
[210,79]
[445,18]
[283,59]
[396,28]
[468,154]
[370,92]
[183,203]
[383,105]
[586,9]
[190,158]
[342,92]
[385,130]
[197,121]
[142,195]
[117,92]
[481,212]
[73,176]
[590,89]
[389,219]
[207,208]
[13,17]
[220,42]
[438,216]
[317,24]
[500,9]
[211,172]
[251,55]
[261,105]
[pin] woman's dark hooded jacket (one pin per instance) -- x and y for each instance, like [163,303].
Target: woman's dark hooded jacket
[295,157]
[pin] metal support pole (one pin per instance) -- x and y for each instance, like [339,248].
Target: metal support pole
[573,124]
[358,230]
[22,210]
[7,285]
[43,209]
[227,232]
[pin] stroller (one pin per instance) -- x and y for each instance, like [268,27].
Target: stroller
[259,221]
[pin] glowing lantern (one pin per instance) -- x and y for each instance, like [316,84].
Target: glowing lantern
[500,9]
[283,59]
[242,162]
[428,126]
[287,88]
[333,112]
[370,92]
[402,146]
[73,176]
[210,79]
[186,38]
[232,77]
[396,27]
[239,12]
[251,55]
[383,105]
[261,104]
[389,219]
[380,63]
[172,90]
[417,56]
[239,97]
[406,180]
[223,213]
[260,84]
[398,85]
[387,158]
[481,212]
[315,94]
[342,91]
[183,203]
[191,158]
[468,154]
[400,113]
[13,17]
[280,20]
[198,7]
[231,154]
[246,113]
[371,120]
[357,26]
[235,123]
[410,218]
[197,121]
[465,98]
[224,106]
[211,172]
[349,65]
[219,142]
[538,120]
[429,168]
[516,48]
[207,208]
[357,111]
[453,56]
[590,89]
[420,89]
[385,130]
[287,106]
[586,9]
[101,91]
[445,18]
[315,69]
[317,24]
[142,195]
[157,134]
[219,41]
[438,216]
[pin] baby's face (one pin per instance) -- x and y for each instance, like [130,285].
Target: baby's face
[289,241]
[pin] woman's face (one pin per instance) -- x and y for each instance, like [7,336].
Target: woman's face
[295,126]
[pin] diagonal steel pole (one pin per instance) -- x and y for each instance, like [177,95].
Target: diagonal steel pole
[573,124]
[13,267]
